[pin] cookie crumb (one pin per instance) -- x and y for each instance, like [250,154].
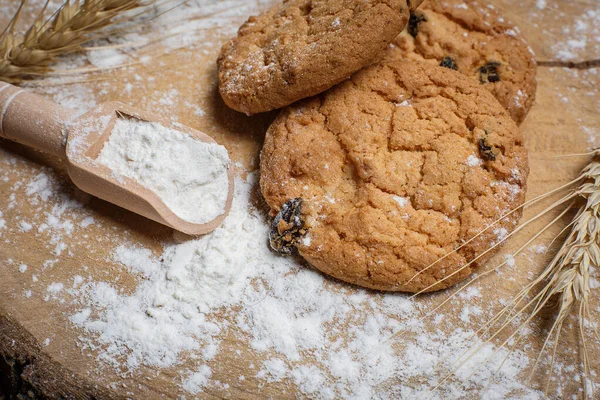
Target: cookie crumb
[287,228]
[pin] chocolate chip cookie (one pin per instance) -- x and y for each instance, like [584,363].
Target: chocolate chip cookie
[473,38]
[379,177]
[300,48]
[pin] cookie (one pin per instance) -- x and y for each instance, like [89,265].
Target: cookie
[473,38]
[379,177]
[300,48]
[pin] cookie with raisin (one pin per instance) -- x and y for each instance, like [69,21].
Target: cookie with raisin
[380,177]
[300,48]
[473,38]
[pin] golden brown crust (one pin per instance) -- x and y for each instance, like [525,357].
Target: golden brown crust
[300,48]
[414,4]
[472,34]
[400,164]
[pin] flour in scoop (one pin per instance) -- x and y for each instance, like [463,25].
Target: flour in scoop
[190,176]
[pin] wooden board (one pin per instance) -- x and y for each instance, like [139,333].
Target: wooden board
[40,349]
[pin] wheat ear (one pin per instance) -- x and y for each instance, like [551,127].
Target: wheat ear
[566,278]
[64,32]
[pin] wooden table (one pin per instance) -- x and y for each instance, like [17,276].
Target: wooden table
[40,349]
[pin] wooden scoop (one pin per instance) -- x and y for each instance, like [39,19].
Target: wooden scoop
[31,120]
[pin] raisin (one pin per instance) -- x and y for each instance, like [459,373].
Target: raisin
[448,62]
[489,72]
[486,151]
[413,23]
[287,228]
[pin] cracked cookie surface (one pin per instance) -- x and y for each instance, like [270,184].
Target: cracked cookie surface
[473,38]
[397,167]
[300,48]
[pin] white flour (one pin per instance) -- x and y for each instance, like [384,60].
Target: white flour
[189,175]
[293,317]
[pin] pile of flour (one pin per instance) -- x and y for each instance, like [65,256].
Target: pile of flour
[189,175]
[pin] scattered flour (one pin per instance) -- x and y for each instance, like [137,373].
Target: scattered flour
[189,175]
[281,309]
[402,201]
[510,260]
[579,38]
[107,58]
[87,221]
[501,233]
[404,103]
[473,161]
[25,226]
[41,186]
[78,98]
[55,287]
[196,381]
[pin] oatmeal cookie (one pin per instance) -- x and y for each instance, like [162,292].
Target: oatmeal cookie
[300,48]
[473,38]
[377,178]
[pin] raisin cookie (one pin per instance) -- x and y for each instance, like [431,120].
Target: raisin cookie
[473,38]
[376,179]
[300,48]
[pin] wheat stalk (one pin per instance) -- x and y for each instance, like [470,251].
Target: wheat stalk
[568,274]
[64,32]
[565,279]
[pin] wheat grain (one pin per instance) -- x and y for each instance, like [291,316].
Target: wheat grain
[64,32]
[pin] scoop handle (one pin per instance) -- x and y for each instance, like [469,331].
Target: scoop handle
[31,120]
